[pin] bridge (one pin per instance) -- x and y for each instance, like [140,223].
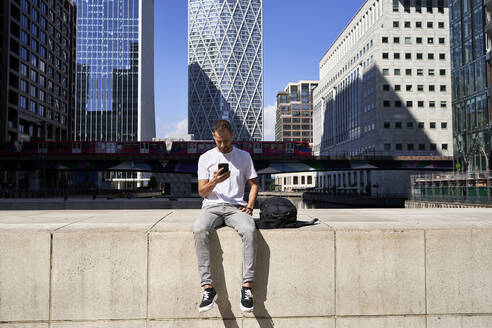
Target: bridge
[169,163]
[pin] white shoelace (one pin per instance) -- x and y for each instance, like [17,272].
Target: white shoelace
[206,295]
[247,294]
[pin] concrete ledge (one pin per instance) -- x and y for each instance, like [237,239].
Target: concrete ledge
[137,268]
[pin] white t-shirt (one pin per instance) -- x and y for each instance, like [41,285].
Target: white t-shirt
[230,191]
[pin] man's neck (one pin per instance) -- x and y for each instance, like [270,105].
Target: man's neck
[227,152]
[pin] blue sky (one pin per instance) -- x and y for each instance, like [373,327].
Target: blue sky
[296,34]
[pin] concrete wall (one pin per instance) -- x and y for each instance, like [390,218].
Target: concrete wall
[358,268]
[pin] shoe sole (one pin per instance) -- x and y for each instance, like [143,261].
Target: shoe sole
[208,307]
[245,309]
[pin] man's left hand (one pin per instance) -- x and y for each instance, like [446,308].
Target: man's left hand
[247,210]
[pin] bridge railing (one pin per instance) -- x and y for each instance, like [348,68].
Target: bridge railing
[465,187]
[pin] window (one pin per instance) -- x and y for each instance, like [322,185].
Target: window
[443,87]
[396,24]
[421,146]
[441,40]
[429,25]
[384,39]
[33,75]
[386,125]
[433,146]
[430,40]
[398,147]
[23,69]
[22,102]
[444,125]
[418,24]
[398,125]
[442,72]
[409,103]
[396,5]
[432,125]
[421,125]
[34,60]
[385,71]
[23,53]
[432,87]
[24,38]
[386,87]
[444,146]
[32,106]
[385,55]
[418,6]
[420,71]
[440,24]
[409,146]
[407,25]
[432,104]
[430,56]
[420,87]
[33,91]
[23,86]
[408,87]
[408,40]
[419,55]
[24,21]
[386,103]
[396,55]
[442,56]
[396,40]
[429,6]
[408,55]
[397,87]
[397,103]
[444,104]
[34,30]
[431,71]
[408,71]
[418,40]
[397,71]
[420,103]
[41,95]
[387,146]
[409,125]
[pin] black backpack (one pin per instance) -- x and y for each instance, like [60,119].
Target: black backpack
[278,212]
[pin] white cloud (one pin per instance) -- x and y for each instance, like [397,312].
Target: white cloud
[172,129]
[269,117]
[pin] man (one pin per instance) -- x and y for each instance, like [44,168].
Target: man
[222,191]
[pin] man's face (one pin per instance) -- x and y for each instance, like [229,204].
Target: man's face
[223,140]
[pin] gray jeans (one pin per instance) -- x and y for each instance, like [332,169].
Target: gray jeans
[214,216]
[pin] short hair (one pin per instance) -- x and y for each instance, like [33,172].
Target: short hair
[221,126]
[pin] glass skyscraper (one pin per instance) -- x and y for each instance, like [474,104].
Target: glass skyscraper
[471,69]
[225,67]
[115,70]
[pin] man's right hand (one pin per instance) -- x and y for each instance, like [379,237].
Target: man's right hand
[218,178]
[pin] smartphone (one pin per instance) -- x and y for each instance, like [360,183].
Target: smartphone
[225,166]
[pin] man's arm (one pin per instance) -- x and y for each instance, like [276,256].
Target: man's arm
[205,187]
[253,192]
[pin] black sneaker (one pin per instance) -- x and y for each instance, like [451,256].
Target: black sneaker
[246,304]
[209,296]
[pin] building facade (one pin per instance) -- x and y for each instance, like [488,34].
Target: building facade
[385,83]
[294,117]
[115,70]
[225,67]
[37,53]
[471,70]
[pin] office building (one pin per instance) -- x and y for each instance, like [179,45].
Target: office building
[37,54]
[471,49]
[115,70]
[385,83]
[294,119]
[225,67]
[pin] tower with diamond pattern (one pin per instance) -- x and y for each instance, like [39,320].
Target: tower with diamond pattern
[225,67]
